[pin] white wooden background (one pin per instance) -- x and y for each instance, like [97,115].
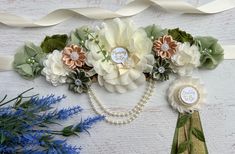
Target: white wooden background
[153,131]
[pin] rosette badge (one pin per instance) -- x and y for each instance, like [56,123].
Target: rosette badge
[186,94]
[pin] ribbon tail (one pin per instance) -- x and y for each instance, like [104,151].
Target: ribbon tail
[175,140]
[189,137]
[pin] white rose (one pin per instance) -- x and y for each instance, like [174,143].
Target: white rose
[54,69]
[131,51]
[186,58]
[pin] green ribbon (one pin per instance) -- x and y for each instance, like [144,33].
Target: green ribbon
[189,136]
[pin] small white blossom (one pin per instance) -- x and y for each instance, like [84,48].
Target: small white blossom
[54,70]
[186,58]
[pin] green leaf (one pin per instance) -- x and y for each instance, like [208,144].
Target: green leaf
[20,56]
[25,70]
[183,120]
[77,36]
[198,134]
[182,147]
[154,32]
[67,131]
[55,42]
[31,49]
[2,138]
[180,36]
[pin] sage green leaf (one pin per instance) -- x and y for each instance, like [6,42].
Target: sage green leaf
[183,120]
[154,32]
[20,56]
[55,42]
[26,70]
[78,36]
[182,147]
[180,36]
[31,49]
[211,52]
[198,134]
[28,60]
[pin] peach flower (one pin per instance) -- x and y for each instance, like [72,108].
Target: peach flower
[165,46]
[74,56]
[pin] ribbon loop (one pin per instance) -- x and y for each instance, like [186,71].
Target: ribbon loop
[130,9]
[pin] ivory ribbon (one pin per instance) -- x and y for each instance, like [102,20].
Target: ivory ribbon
[132,8]
[6,60]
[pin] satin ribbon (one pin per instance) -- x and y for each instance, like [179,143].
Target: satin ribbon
[181,134]
[6,60]
[130,9]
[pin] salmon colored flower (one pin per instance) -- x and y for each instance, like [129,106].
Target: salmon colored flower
[74,56]
[165,46]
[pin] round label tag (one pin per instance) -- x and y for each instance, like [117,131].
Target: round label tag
[119,55]
[189,95]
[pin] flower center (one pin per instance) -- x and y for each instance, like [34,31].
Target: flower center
[161,69]
[78,82]
[119,55]
[74,56]
[189,95]
[165,47]
[30,60]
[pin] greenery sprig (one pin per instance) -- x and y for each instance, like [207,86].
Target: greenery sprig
[95,39]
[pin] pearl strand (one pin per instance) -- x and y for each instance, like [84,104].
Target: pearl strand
[128,116]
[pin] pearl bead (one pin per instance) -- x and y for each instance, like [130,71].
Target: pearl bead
[74,56]
[165,47]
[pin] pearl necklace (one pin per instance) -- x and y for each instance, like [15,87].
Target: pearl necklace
[120,118]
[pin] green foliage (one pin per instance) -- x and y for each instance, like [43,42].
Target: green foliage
[211,52]
[54,42]
[154,32]
[78,36]
[198,134]
[68,131]
[183,120]
[28,61]
[180,36]
[183,147]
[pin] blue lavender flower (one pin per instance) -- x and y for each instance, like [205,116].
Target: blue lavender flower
[7,149]
[66,113]
[46,101]
[87,123]
[24,126]
[63,114]
[5,111]
[60,146]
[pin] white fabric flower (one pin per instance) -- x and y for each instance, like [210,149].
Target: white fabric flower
[122,72]
[186,58]
[54,69]
[186,94]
